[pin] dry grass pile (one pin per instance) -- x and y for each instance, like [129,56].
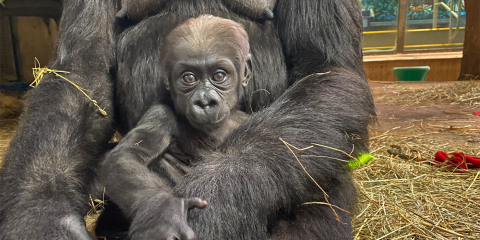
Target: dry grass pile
[413,199]
[9,106]
[91,217]
[7,130]
[409,197]
[461,92]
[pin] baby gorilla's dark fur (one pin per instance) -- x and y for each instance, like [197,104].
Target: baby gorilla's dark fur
[207,64]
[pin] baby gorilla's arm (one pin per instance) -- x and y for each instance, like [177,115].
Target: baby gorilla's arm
[131,185]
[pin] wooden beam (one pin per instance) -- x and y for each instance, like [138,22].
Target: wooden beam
[11,4]
[402,23]
[32,8]
[54,13]
[471,47]
[17,56]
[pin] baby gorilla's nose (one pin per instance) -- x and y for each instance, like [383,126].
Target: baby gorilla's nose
[206,106]
[206,103]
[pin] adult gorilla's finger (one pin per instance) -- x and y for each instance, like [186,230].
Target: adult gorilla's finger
[121,14]
[186,233]
[195,203]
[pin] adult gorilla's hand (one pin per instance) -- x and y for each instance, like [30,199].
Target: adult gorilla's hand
[164,218]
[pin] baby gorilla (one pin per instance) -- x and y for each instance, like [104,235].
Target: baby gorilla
[206,64]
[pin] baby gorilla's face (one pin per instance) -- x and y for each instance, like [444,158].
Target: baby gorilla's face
[206,86]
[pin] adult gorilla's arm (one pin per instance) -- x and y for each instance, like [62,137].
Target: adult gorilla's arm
[255,179]
[51,162]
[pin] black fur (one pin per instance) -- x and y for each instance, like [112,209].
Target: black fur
[253,185]
[139,9]
[51,164]
[255,9]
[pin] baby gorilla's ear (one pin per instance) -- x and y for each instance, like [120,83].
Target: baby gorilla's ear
[165,82]
[248,70]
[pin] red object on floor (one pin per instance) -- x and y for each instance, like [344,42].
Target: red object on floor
[477,113]
[457,160]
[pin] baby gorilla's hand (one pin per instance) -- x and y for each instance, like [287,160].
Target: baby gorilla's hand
[165,218]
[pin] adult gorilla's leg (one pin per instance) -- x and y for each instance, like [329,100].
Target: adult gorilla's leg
[255,179]
[52,160]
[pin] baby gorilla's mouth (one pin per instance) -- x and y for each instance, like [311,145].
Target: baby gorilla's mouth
[207,119]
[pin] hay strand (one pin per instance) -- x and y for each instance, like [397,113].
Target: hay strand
[39,72]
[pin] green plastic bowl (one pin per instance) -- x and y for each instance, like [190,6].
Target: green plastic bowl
[411,73]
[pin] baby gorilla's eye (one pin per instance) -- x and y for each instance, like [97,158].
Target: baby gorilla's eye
[189,78]
[219,76]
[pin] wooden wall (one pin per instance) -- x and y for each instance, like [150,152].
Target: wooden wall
[34,36]
[443,66]
[7,64]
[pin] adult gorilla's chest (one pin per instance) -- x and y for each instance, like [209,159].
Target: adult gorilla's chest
[139,85]
[192,8]
[254,9]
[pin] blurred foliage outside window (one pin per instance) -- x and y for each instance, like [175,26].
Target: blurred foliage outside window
[383,10]
[387,10]
[380,20]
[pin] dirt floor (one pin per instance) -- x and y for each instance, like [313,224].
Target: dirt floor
[451,124]
[410,198]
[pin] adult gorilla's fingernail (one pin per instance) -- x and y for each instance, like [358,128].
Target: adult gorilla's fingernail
[268,14]
[121,14]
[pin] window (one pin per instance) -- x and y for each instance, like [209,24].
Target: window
[380,19]
[440,25]
[425,25]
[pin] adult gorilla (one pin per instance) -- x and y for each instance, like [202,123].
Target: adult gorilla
[254,186]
